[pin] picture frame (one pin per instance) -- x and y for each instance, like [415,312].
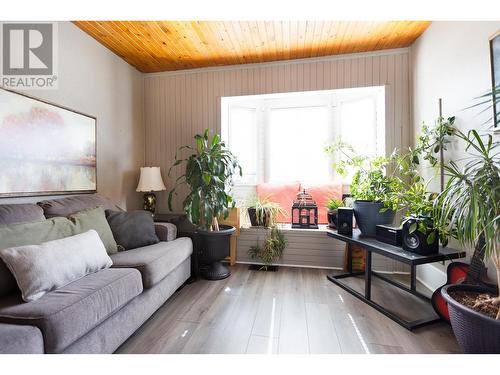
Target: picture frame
[45,148]
[495,77]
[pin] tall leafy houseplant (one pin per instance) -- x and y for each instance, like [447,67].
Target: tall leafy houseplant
[209,175]
[468,209]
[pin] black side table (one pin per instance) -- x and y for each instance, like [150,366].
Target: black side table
[371,245]
[184,229]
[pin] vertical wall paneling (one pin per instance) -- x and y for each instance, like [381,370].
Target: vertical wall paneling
[180,104]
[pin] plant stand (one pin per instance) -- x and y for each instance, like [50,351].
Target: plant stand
[396,253]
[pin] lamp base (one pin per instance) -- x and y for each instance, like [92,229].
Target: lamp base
[150,203]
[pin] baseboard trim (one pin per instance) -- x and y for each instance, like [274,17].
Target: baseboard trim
[321,268]
[430,276]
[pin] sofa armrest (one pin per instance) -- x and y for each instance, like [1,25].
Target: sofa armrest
[166,231]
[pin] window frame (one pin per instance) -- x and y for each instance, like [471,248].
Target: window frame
[333,99]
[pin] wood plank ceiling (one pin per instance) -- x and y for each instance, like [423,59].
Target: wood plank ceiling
[156,46]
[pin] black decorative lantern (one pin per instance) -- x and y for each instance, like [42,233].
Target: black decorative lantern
[304,212]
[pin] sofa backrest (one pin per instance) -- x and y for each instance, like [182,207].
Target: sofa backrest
[31,213]
[20,213]
[75,203]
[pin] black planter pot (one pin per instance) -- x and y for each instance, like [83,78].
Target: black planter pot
[332,218]
[214,248]
[475,332]
[252,213]
[368,216]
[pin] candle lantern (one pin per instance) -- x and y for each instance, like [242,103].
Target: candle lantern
[304,211]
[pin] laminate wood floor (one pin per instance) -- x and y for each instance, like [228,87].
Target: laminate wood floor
[294,310]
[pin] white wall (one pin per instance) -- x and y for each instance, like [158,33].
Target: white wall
[450,61]
[95,81]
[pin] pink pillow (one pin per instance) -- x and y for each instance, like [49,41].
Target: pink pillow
[321,194]
[284,194]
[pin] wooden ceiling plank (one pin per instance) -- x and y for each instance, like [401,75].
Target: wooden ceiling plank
[153,46]
[152,43]
[103,37]
[124,34]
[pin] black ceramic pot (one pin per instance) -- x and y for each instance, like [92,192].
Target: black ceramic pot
[332,218]
[475,332]
[214,248]
[368,216]
[252,213]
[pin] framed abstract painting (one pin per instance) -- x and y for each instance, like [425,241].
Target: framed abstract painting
[45,149]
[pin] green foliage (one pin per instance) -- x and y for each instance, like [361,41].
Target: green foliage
[423,224]
[209,174]
[333,203]
[469,206]
[371,180]
[266,211]
[272,248]
[432,140]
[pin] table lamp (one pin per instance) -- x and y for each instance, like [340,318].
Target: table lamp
[149,182]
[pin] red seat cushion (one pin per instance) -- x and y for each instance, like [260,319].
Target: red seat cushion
[284,194]
[321,194]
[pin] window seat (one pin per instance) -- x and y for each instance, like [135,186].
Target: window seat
[308,248]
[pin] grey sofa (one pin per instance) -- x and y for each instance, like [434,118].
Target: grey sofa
[97,313]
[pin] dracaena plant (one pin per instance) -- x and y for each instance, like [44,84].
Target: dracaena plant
[209,174]
[468,209]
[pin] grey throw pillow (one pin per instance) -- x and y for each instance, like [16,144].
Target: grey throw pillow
[132,229]
[38,269]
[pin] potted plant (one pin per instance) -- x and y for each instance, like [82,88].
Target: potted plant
[332,205]
[412,198]
[209,175]
[468,209]
[263,212]
[371,186]
[271,250]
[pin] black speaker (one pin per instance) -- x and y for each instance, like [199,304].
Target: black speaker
[344,221]
[416,242]
[390,234]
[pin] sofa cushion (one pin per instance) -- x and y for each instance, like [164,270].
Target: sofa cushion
[166,231]
[132,229]
[17,339]
[94,218]
[20,213]
[39,269]
[28,234]
[155,261]
[284,194]
[66,314]
[71,205]
[321,194]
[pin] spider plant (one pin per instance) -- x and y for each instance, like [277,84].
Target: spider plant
[272,249]
[266,211]
[468,209]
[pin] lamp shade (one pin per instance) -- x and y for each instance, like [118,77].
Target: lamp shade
[150,180]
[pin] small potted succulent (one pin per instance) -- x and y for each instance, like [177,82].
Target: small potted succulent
[332,205]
